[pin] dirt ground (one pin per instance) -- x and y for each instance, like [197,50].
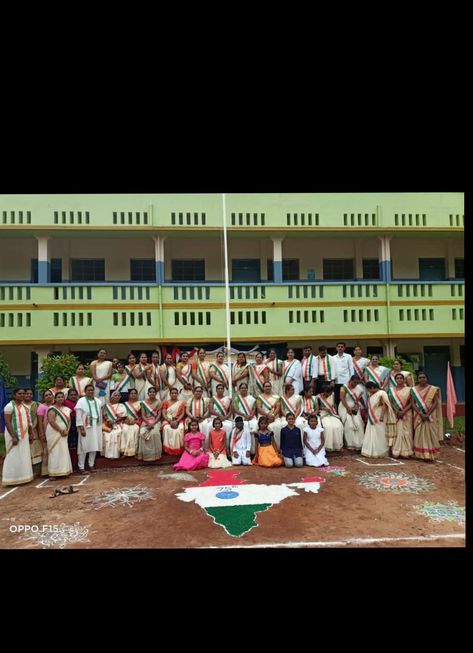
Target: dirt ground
[344,513]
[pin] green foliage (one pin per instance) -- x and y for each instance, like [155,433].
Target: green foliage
[406,365]
[5,375]
[458,425]
[64,365]
[2,445]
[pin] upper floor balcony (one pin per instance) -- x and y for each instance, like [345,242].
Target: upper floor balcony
[400,213]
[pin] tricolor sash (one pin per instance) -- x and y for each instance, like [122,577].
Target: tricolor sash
[287,405]
[202,373]
[220,406]
[396,399]
[112,413]
[76,385]
[374,376]
[236,437]
[88,419]
[310,405]
[237,370]
[371,414]
[423,400]
[288,369]
[222,373]
[273,366]
[197,407]
[327,406]
[358,368]
[186,372]
[65,418]
[131,410]
[259,378]
[351,393]
[244,405]
[122,383]
[20,425]
[266,403]
[149,410]
[326,367]
[306,367]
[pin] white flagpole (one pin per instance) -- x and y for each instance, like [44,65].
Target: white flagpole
[227,295]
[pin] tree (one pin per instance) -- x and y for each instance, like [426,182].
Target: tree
[64,365]
[406,365]
[6,376]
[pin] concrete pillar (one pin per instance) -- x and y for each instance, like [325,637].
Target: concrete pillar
[263,255]
[450,260]
[388,348]
[358,259]
[44,261]
[385,258]
[159,258]
[277,258]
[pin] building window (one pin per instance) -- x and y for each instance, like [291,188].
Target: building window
[246,270]
[290,269]
[56,270]
[432,269]
[338,269]
[459,268]
[188,270]
[142,269]
[88,269]
[370,268]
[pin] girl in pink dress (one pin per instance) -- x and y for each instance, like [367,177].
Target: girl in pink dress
[194,456]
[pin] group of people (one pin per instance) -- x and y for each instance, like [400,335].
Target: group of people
[279,412]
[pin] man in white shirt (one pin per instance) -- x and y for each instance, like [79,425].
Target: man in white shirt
[309,367]
[326,368]
[344,371]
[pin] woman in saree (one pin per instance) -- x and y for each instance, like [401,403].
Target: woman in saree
[168,378]
[102,371]
[131,427]
[114,416]
[153,375]
[57,430]
[59,386]
[380,416]
[240,372]
[199,408]
[48,400]
[140,372]
[397,369]
[73,437]
[401,439]
[36,447]
[150,447]
[200,373]
[79,381]
[428,421]
[292,372]
[221,407]
[329,419]
[291,403]
[121,382]
[244,406]
[359,362]
[349,409]
[174,413]
[129,367]
[275,368]
[376,373]
[17,467]
[184,383]
[219,373]
[259,374]
[268,404]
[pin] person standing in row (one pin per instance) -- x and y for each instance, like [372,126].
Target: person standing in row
[309,368]
[79,380]
[59,423]
[349,409]
[200,372]
[102,370]
[89,427]
[17,467]
[326,367]
[292,372]
[344,369]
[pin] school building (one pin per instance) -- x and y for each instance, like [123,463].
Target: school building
[133,272]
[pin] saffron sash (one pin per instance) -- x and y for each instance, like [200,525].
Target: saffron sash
[327,406]
[20,429]
[244,405]
[307,367]
[288,407]
[288,369]
[221,372]
[374,376]
[220,406]
[131,410]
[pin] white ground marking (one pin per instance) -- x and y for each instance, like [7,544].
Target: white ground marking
[458,449]
[396,462]
[9,492]
[42,485]
[364,540]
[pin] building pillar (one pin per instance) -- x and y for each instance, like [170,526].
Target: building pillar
[385,258]
[44,261]
[277,259]
[450,260]
[159,258]
[388,348]
[358,259]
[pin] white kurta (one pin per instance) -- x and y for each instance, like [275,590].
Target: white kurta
[17,467]
[241,446]
[293,373]
[93,428]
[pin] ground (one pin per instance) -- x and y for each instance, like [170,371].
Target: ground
[348,510]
